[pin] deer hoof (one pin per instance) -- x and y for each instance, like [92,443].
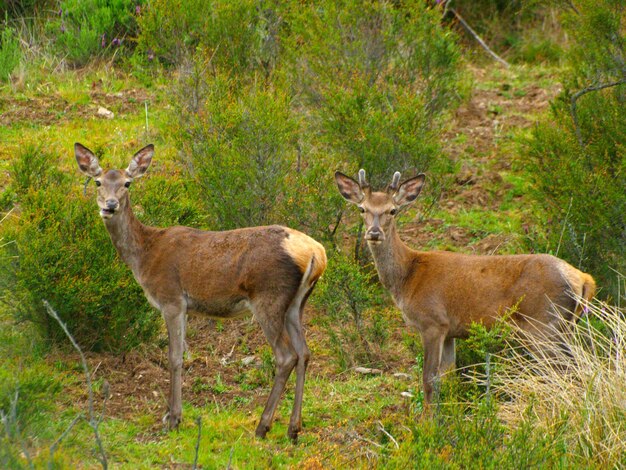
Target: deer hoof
[293,434]
[261,431]
[172,420]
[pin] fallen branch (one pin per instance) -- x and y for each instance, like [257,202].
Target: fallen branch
[478,38]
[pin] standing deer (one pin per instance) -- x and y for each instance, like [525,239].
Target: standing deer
[442,293]
[269,271]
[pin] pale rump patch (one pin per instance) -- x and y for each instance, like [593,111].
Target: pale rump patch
[302,249]
[582,284]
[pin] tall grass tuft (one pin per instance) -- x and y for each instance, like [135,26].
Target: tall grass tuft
[582,392]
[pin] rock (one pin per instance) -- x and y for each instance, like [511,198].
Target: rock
[401,375]
[105,113]
[367,370]
[407,394]
[246,361]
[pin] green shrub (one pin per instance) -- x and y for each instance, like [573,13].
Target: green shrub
[59,250]
[347,293]
[242,145]
[578,157]
[376,77]
[10,52]
[239,35]
[459,434]
[84,29]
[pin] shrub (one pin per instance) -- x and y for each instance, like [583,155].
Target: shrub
[87,29]
[347,294]
[242,144]
[578,157]
[239,35]
[376,77]
[10,52]
[303,91]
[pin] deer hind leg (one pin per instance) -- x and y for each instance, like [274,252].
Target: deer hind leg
[174,316]
[433,339]
[296,334]
[271,317]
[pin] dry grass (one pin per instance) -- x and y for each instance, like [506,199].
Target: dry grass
[582,392]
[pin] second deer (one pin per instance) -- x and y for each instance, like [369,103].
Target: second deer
[442,293]
[269,271]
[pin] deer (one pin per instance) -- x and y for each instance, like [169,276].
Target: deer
[269,271]
[441,293]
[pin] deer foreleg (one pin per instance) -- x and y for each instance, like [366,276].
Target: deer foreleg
[175,320]
[432,339]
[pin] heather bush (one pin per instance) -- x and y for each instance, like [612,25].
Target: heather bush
[239,35]
[83,30]
[347,295]
[376,78]
[577,156]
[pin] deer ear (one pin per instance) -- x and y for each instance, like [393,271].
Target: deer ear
[349,189]
[87,161]
[409,190]
[140,162]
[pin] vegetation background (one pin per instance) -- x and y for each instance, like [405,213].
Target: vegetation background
[252,105]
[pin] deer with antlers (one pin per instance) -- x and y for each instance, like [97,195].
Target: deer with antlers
[442,293]
[269,271]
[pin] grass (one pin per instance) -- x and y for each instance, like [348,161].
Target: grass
[583,392]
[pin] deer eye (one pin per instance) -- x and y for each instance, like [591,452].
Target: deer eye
[361,210]
[98,183]
[127,184]
[393,211]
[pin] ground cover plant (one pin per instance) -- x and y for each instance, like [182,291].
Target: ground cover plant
[251,107]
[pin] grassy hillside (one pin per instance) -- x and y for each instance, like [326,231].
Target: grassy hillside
[314,117]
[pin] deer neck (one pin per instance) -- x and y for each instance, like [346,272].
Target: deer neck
[128,235]
[393,262]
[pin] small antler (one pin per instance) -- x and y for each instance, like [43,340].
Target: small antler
[362,182]
[395,181]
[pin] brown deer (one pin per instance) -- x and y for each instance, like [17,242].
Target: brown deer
[269,271]
[442,293]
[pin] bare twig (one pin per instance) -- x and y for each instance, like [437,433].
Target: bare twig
[147,125]
[232,449]
[93,422]
[56,443]
[479,39]
[195,459]
[582,92]
[384,431]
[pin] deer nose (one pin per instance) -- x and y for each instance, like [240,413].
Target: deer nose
[112,204]
[374,234]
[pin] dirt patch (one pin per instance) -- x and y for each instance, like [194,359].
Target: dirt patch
[53,109]
[474,138]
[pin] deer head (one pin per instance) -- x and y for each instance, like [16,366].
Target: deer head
[113,184]
[379,208]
